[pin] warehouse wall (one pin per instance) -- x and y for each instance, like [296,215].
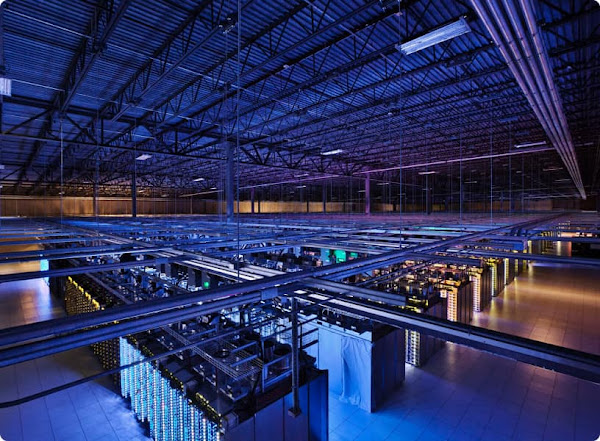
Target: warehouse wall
[84,206]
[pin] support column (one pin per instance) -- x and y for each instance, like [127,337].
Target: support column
[252,200]
[134,195]
[229,181]
[324,198]
[368,194]
[295,409]
[96,210]
[428,196]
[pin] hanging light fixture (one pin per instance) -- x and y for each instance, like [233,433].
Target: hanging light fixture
[530,144]
[437,36]
[332,152]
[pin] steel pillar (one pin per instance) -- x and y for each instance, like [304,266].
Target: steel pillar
[428,196]
[134,195]
[96,210]
[229,175]
[368,194]
[295,410]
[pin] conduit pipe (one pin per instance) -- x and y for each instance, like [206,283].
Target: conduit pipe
[526,57]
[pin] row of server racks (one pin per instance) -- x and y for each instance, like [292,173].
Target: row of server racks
[225,389]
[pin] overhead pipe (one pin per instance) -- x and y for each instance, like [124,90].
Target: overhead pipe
[544,100]
[542,56]
[86,336]
[532,87]
[556,112]
[550,118]
[564,360]
[21,334]
[530,79]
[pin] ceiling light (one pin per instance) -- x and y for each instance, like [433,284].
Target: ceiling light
[439,35]
[143,157]
[470,182]
[213,188]
[530,144]
[552,169]
[427,173]
[384,183]
[300,186]
[563,180]
[5,83]
[198,179]
[332,152]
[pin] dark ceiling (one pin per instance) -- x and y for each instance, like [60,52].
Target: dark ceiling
[105,81]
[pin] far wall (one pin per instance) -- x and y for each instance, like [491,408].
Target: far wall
[84,206]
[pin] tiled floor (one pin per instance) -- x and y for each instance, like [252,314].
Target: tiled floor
[465,394]
[90,412]
[557,304]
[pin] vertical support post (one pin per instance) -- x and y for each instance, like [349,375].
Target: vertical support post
[229,181]
[428,196]
[295,410]
[96,210]
[324,198]
[134,194]
[368,194]
[252,200]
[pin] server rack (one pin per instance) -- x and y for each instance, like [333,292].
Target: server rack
[202,394]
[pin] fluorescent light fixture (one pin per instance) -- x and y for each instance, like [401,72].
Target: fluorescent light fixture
[563,180]
[470,182]
[302,175]
[552,169]
[332,152]
[384,183]
[143,157]
[439,35]
[427,173]
[300,186]
[198,179]
[530,144]
[5,83]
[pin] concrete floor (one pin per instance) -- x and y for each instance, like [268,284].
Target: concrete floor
[461,394]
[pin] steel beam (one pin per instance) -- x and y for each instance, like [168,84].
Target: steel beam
[567,361]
